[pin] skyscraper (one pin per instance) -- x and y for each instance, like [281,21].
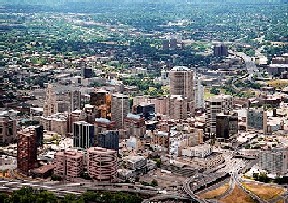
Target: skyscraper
[181,83]
[109,140]
[50,106]
[120,107]
[216,105]
[83,134]
[26,150]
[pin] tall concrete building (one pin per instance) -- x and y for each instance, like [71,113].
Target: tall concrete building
[181,83]
[50,106]
[102,164]
[26,150]
[8,130]
[68,164]
[83,134]
[75,100]
[120,107]
[216,105]
[274,160]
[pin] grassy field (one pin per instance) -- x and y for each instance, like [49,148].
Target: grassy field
[207,93]
[237,196]
[264,192]
[214,193]
[278,83]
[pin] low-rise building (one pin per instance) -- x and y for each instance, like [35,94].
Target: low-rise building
[102,163]
[68,164]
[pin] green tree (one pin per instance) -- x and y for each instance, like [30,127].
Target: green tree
[154,183]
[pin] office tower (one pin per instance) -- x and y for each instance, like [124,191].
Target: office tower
[109,140]
[220,50]
[83,134]
[75,100]
[257,119]
[50,106]
[226,125]
[199,93]
[147,110]
[102,164]
[274,160]
[135,126]
[26,150]
[39,134]
[68,164]
[216,105]
[120,107]
[181,83]
[7,130]
[101,100]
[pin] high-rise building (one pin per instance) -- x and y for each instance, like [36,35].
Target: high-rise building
[181,83]
[220,50]
[75,100]
[26,150]
[83,134]
[68,164]
[50,106]
[8,130]
[120,107]
[101,100]
[216,105]
[274,160]
[135,126]
[109,140]
[199,93]
[226,125]
[257,119]
[102,163]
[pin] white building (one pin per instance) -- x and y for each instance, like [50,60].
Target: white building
[274,161]
[135,162]
[198,151]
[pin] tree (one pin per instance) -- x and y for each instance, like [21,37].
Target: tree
[214,91]
[56,177]
[154,183]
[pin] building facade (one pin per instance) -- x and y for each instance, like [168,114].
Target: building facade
[226,125]
[181,83]
[257,119]
[26,150]
[109,139]
[134,126]
[216,105]
[68,164]
[83,134]
[274,161]
[120,107]
[8,130]
[102,164]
